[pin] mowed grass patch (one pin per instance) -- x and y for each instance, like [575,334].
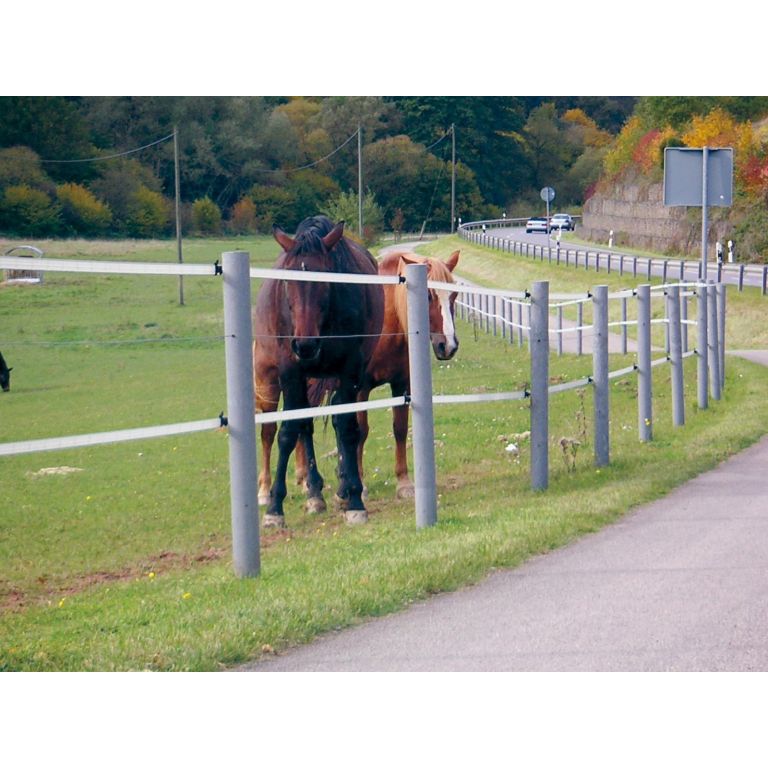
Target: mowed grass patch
[125,562]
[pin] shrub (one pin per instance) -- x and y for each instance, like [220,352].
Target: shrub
[206,216]
[242,220]
[274,205]
[148,213]
[29,212]
[82,213]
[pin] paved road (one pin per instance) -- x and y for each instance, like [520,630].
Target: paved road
[752,275]
[679,584]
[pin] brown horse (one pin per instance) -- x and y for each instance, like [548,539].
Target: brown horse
[315,330]
[388,365]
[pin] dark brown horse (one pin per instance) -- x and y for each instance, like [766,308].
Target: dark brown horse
[315,330]
[388,365]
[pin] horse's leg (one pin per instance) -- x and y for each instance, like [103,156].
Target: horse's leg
[350,487]
[314,481]
[267,396]
[287,436]
[405,489]
[301,464]
[362,423]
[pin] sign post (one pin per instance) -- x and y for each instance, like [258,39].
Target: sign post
[699,177]
[547,195]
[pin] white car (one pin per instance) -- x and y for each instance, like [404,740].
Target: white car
[536,224]
[561,221]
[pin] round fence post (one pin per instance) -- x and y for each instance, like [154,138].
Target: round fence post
[721,330]
[421,395]
[580,325]
[713,344]
[684,316]
[600,374]
[701,346]
[519,323]
[644,370]
[238,340]
[676,355]
[539,341]
[624,325]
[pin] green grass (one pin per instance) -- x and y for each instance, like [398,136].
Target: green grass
[126,563]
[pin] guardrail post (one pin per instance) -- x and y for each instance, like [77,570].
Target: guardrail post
[676,355]
[238,340]
[721,329]
[713,345]
[765,280]
[539,341]
[425,482]
[701,346]
[741,277]
[644,370]
[600,374]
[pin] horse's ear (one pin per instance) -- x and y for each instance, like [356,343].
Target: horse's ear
[285,242]
[452,260]
[408,259]
[333,237]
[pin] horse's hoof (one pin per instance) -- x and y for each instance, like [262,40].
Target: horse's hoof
[264,500]
[357,516]
[273,521]
[405,491]
[315,505]
[364,494]
[339,503]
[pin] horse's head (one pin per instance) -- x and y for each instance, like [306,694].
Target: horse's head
[5,375]
[309,302]
[442,330]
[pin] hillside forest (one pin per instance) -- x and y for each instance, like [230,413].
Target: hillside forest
[104,166]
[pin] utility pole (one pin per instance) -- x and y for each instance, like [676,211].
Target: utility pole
[453,178]
[360,181]
[178,209]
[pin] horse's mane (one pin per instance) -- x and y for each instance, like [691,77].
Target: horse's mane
[309,237]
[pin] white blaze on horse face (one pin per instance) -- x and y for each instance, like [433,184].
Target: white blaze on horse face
[449,330]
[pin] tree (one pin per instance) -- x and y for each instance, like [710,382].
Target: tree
[345,207]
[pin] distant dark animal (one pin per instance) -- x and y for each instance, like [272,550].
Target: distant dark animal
[5,374]
[314,331]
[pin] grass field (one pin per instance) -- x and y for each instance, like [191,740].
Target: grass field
[118,557]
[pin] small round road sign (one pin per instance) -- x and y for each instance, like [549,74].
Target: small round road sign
[547,194]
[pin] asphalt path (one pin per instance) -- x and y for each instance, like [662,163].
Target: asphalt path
[680,584]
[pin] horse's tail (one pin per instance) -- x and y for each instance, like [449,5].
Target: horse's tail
[320,389]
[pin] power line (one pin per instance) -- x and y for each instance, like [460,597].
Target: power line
[111,157]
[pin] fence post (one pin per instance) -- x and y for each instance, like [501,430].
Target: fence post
[713,344]
[421,395]
[579,324]
[721,329]
[519,323]
[238,340]
[676,355]
[624,325]
[560,331]
[539,339]
[644,370]
[684,316]
[701,346]
[600,374]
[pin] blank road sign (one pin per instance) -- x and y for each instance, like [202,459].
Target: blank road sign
[683,178]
